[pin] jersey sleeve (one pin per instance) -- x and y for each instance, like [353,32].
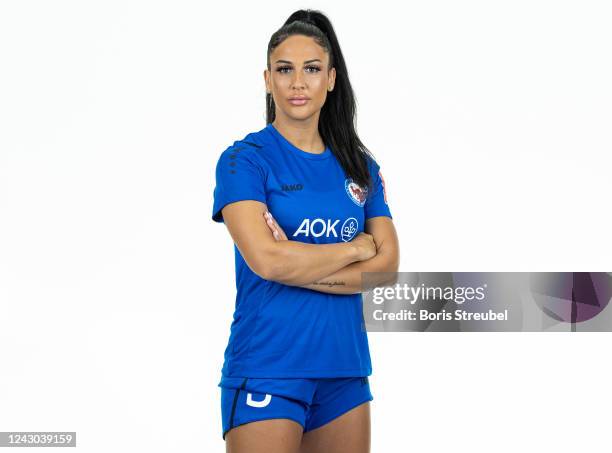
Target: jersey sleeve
[376,203]
[238,176]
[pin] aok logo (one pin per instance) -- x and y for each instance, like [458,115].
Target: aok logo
[321,227]
[349,228]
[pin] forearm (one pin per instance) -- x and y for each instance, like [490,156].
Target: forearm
[296,263]
[348,280]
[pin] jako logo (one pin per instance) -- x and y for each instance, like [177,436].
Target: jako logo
[291,187]
[320,227]
[262,403]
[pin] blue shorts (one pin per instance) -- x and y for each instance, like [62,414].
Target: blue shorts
[310,402]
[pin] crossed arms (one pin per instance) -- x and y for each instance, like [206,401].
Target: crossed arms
[330,268]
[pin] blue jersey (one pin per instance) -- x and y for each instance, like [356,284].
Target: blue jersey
[282,331]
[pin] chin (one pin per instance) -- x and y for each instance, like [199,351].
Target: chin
[299,115]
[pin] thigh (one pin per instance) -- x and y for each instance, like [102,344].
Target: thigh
[279,435]
[348,433]
[255,422]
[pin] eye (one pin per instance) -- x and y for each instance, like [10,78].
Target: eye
[285,69]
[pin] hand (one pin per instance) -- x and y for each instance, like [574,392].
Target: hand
[277,231]
[365,245]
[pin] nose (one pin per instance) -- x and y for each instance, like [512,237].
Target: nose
[298,81]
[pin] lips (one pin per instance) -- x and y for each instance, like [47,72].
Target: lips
[298,100]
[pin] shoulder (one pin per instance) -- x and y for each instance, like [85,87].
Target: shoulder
[251,146]
[373,165]
[245,149]
[243,155]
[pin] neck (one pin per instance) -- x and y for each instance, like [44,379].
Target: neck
[303,134]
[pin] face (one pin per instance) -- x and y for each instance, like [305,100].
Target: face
[298,67]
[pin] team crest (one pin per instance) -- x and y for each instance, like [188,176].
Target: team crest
[355,192]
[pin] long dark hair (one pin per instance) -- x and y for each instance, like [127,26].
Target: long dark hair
[337,118]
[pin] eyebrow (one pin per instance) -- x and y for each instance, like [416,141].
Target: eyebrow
[306,62]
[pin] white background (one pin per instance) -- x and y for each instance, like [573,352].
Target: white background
[491,123]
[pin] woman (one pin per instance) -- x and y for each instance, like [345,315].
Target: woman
[305,205]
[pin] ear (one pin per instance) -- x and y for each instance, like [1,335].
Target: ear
[332,76]
[266,75]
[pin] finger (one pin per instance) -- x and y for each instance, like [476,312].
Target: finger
[272,227]
[277,227]
[268,220]
[272,221]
